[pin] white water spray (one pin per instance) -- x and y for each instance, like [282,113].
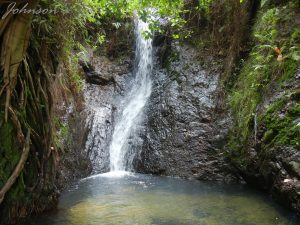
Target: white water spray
[135,101]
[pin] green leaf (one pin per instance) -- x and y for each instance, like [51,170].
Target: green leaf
[296,56]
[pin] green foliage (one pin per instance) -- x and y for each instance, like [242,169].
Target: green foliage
[10,155]
[79,24]
[205,4]
[62,133]
[282,123]
[151,11]
[254,76]
[260,71]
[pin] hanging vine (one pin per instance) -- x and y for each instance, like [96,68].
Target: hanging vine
[26,115]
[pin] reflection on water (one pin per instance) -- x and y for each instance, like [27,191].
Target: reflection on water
[140,199]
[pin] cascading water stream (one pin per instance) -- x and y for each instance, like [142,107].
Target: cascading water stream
[135,101]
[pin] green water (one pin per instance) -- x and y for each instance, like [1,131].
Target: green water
[141,199]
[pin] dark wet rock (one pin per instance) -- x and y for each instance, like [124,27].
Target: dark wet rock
[102,106]
[101,70]
[86,149]
[94,77]
[99,122]
[184,136]
[277,174]
[74,163]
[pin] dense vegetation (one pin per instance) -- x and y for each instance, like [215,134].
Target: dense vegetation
[38,51]
[261,73]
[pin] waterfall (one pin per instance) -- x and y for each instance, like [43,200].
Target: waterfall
[135,101]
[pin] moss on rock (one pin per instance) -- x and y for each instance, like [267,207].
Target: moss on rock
[262,74]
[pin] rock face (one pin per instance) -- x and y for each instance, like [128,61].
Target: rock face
[101,101]
[274,164]
[71,133]
[89,119]
[74,163]
[184,134]
[99,122]
[107,74]
[93,77]
[278,175]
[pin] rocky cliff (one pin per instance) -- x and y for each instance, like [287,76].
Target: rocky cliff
[184,132]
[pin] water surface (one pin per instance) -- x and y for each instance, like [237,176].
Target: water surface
[142,199]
